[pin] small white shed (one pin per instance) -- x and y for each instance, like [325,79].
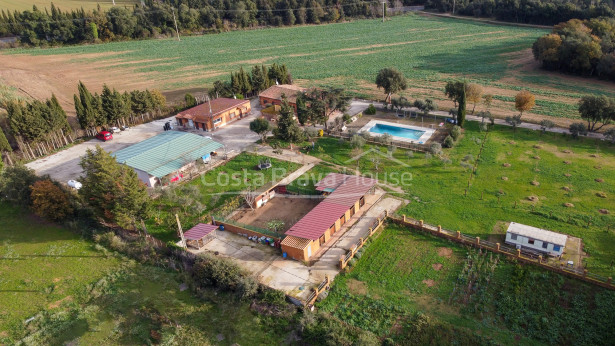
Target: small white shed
[536,239]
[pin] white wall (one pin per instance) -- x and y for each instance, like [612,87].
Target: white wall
[524,242]
[149,180]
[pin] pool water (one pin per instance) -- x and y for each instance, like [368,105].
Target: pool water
[397,131]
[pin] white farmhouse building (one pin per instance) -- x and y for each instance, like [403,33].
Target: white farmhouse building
[535,239]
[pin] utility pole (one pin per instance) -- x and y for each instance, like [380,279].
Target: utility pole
[181,232]
[175,21]
[383,4]
[454,1]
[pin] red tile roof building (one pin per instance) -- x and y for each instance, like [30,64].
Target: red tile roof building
[221,112]
[273,95]
[346,197]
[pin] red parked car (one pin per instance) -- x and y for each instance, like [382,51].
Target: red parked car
[104,136]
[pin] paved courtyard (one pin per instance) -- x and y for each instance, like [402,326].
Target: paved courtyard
[64,165]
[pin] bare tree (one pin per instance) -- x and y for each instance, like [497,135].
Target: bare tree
[376,161]
[250,197]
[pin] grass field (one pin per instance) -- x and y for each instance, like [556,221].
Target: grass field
[437,190]
[459,294]
[429,51]
[22,5]
[41,267]
[197,200]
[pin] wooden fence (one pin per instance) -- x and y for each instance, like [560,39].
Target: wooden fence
[324,285]
[373,228]
[510,252]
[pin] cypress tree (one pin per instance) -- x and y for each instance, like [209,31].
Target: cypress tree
[4,143]
[461,111]
[287,129]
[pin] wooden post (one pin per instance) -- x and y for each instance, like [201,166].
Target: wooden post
[342,265]
[404,218]
[458,235]
[518,252]
[477,240]
[439,229]
[421,224]
[180,232]
[539,258]
[362,241]
[497,246]
[481,195]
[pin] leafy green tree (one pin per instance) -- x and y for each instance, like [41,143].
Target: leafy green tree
[577,129]
[514,121]
[597,109]
[112,104]
[221,89]
[190,100]
[391,80]
[303,113]
[287,130]
[280,74]
[454,91]
[259,79]
[50,201]
[461,111]
[112,190]
[85,107]
[15,182]
[324,102]
[5,147]
[546,124]
[260,126]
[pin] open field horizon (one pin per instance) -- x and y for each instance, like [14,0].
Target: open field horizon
[428,50]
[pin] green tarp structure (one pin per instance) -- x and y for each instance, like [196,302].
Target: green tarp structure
[166,153]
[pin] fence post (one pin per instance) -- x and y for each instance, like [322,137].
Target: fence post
[518,252]
[342,264]
[439,229]
[421,224]
[370,231]
[477,240]
[539,258]
[404,218]
[497,246]
[362,241]
[458,235]
[609,280]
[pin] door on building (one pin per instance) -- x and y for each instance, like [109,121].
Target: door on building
[362,201]
[352,211]
[343,219]
[190,123]
[321,240]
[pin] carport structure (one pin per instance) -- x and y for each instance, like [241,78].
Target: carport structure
[199,235]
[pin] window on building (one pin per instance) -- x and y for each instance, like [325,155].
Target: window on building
[233,115]
[556,248]
[217,121]
[530,241]
[513,236]
[544,244]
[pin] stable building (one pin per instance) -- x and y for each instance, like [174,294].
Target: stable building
[166,155]
[214,114]
[273,95]
[535,239]
[345,196]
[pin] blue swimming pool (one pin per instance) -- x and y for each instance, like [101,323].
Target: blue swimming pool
[397,131]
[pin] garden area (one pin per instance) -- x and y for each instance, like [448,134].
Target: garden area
[414,288]
[217,191]
[545,180]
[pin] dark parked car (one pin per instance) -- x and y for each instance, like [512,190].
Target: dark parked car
[104,136]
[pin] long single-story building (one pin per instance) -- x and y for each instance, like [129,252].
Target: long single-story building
[535,239]
[345,196]
[168,153]
[273,95]
[214,114]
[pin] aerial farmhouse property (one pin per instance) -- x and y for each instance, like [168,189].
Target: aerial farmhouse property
[273,95]
[345,196]
[214,114]
[167,154]
[535,239]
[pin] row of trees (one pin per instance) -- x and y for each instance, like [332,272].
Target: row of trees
[543,12]
[37,127]
[114,108]
[152,18]
[584,47]
[244,84]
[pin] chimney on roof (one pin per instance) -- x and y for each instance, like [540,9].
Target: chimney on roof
[209,103]
[276,82]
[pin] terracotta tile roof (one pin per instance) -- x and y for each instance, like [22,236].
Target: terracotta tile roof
[199,231]
[315,223]
[295,242]
[275,92]
[201,112]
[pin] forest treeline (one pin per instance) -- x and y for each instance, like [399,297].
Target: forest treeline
[541,12]
[582,47]
[53,26]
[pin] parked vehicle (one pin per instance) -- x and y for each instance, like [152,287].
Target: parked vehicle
[451,121]
[74,184]
[167,126]
[104,136]
[124,128]
[114,130]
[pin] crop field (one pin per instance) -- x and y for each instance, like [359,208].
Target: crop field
[216,191]
[459,295]
[523,177]
[22,5]
[429,51]
[41,267]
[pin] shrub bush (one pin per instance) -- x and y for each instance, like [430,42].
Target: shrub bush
[449,142]
[211,271]
[435,148]
[456,132]
[346,117]
[371,110]
[578,129]
[357,141]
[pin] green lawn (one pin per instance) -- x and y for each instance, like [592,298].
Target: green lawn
[437,189]
[305,183]
[41,266]
[428,51]
[216,191]
[465,295]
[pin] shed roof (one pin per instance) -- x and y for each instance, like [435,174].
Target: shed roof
[166,153]
[201,112]
[537,233]
[199,231]
[296,242]
[275,92]
[331,181]
[315,223]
